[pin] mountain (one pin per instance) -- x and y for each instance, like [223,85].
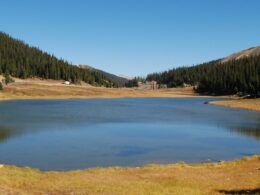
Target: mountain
[120,81]
[253,51]
[21,60]
[238,73]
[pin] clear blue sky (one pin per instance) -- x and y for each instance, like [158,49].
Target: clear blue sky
[134,37]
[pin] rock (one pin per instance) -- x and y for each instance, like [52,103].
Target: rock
[1,166]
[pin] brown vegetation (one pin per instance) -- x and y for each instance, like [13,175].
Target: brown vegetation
[232,177]
[53,89]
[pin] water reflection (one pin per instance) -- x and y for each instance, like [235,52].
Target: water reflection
[250,132]
[28,117]
[73,134]
[7,133]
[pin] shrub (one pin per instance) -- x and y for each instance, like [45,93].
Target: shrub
[8,79]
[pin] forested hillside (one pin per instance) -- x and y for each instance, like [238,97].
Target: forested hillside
[21,60]
[120,81]
[216,77]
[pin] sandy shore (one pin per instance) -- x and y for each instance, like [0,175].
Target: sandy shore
[233,177]
[249,104]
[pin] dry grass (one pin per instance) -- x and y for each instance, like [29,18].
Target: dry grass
[208,178]
[249,104]
[51,89]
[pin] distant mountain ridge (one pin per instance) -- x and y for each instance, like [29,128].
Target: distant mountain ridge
[253,51]
[120,81]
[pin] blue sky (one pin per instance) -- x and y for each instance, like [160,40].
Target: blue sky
[134,37]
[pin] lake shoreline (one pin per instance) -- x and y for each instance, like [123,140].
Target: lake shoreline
[245,104]
[181,178]
[99,97]
[39,89]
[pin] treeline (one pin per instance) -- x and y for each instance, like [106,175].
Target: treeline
[238,76]
[134,82]
[21,60]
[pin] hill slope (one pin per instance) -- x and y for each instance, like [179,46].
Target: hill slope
[120,81]
[239,72]
[21,60]
[254,51]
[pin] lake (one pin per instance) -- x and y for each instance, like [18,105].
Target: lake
[77,134]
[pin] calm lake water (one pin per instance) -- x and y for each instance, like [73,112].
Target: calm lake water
[76,134]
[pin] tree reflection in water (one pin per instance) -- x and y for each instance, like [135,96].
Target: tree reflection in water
[248,131]
[7,133]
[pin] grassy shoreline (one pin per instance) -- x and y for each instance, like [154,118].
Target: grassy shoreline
[246,104]
[181,178]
